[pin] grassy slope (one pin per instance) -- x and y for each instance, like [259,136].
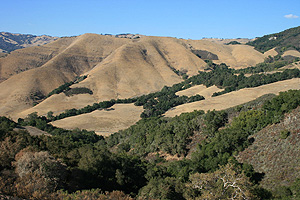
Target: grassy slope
[104,122]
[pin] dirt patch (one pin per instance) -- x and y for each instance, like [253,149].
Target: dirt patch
[32,131]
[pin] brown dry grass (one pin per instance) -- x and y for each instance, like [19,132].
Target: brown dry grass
[225,41]
[104,122]
[116,68]
[271,52]
[236,56]
[291,53]
[201,90]
[51,104]
[235,98]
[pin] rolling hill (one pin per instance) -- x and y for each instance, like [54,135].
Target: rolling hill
[115,68]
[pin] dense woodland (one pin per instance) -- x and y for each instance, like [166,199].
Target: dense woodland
[79,164]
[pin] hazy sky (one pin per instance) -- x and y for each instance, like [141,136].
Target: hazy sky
[177,18]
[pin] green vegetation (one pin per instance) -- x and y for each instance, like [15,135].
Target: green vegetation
[133,164]
[288,39]
[66,86]
[156,104]
[284,134]
[88,108]
[181,73]
[80,160]
[81,90]
[233,43]
[167,135]
[270,64]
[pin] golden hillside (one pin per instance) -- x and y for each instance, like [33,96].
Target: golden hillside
[115,68]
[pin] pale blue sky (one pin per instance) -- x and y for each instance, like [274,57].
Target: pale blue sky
[182,19]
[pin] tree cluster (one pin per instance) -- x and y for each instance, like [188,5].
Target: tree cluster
[66,86]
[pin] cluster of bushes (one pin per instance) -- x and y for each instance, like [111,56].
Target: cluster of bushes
[270,64]
[80,90]
[158,103]
[240,81]
[233,43]
[44,165]
[88,108]
[66,86]
[181,73]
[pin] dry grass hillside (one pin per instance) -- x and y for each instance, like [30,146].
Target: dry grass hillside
[141,67]
[271,52]
[235,98]
[51,104]
[84,51]
[104,122]
[291,53]
[225,41]
[116,68]
[32,57]
[236,56]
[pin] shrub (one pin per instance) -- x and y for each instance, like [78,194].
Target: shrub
[284,134]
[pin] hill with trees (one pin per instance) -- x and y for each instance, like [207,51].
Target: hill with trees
[282,41]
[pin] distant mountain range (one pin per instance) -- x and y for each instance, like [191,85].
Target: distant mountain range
[12,41]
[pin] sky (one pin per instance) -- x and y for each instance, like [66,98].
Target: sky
[188,19]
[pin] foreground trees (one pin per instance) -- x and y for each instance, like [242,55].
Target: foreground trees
[85,165]
[228,182]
